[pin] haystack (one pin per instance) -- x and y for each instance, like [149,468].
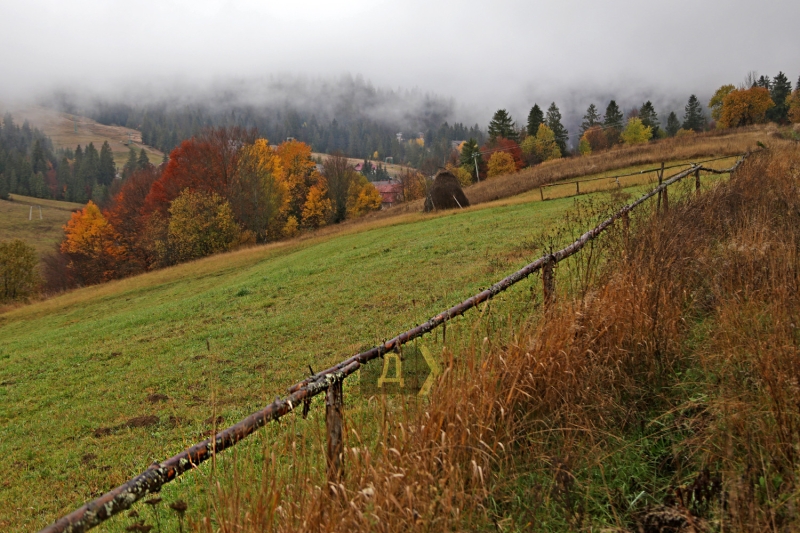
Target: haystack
[445,193]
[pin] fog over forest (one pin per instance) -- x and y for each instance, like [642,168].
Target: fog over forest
[401,63]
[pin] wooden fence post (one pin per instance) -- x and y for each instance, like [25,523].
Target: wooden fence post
[549,281]
[541,193]
[660,179]
[697,181]
[577,187]
[333,421]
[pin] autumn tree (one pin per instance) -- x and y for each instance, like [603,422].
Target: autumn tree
[715,104]
[543,146]
[318,208]
[200,224]
[93,246]
[413,183]
[553,121]
[744,107]
[258,193]
[299,174]
[18,277]
[636,132]
[501,163]
[362,197]
[502,125]
[535,118]
[124,214]
[597,138]
[339,174]
[591,119]
[501,144]
[693,117]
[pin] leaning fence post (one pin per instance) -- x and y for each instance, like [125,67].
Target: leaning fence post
[549,281]
[333,422]
[541,193]
[660,179]
[697,181]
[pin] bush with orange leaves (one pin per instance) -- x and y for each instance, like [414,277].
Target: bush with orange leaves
[93,247]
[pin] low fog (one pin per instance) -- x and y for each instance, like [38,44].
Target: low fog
[461,60]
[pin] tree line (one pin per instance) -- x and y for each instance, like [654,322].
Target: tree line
[221,189]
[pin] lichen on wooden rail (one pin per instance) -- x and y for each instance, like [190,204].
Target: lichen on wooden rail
[159,474]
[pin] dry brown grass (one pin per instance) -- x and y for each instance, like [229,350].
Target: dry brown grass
[679,354]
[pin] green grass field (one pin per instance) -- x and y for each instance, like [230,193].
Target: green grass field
[81,373]
[40,227]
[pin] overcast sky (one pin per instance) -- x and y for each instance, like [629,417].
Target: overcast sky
[485,54]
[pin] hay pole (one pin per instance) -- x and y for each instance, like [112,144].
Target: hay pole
[159,474]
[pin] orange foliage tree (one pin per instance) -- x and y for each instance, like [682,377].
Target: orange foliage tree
[501,144]
[93,246]
[745,107]
[299,174]
[318,209]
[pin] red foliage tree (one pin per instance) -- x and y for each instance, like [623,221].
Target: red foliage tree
[501,144]
[206,163]
[125,215]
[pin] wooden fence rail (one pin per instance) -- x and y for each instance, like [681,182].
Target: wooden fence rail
[330,382]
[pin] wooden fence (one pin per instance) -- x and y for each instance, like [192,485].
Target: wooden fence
[330,380]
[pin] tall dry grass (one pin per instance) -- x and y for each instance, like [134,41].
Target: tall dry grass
[661,393]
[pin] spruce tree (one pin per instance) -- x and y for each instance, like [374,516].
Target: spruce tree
[130,165]
[613,117]
[38,161]
[553,121]
[673,124]
[535,117]
[591,119]
[143,162]
[764,82]
[63,176]
[4,189]
[165,159]
[502,126]
[107,169]
[649,117]
[781,89]
[693,118]
[90,166]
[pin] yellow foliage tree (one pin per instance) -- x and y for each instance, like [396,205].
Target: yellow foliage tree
[744,107]
[200,224]
[299,174]
[362,197]
[584,146]
[542,146]
[92,245]
[717,100]
[636,132]
[501,163]
[462,174]
[318,209]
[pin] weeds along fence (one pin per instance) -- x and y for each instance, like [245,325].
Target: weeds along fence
[330,380]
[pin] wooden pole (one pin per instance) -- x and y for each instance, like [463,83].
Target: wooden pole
[549,281]
[666,199]
[660,179]
[333,422]
[541,193]
[577,187]
[697,181]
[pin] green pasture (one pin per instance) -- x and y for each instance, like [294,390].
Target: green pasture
[100,382]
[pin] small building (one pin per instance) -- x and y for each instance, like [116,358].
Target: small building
[391,192]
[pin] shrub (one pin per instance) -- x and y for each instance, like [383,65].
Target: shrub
[18,277]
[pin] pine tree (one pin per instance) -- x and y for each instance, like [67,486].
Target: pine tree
[107,170]
[90,165]
[143,162]
[38,161]
[764,82]
[63,177]
[693,118]
[590,119]
[4,189]
[781,89]
[553,122]
[165,159]
[502,126]
[673,124]
[535,117]
[649,118]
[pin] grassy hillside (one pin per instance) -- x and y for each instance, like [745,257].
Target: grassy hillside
[68,131]
[44,229]
[98,382]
